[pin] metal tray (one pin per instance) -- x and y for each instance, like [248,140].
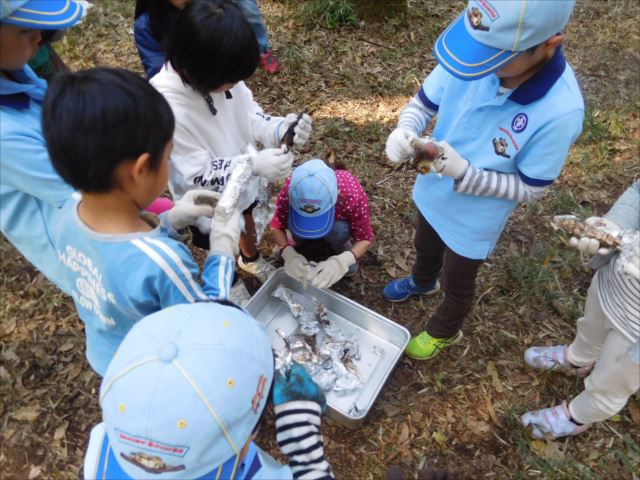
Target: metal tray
[369,328]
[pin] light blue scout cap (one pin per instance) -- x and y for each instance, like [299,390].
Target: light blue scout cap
[491,33]
[184,392]
[313,193]
[41,14]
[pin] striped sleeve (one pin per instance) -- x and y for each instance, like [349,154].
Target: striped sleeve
[298,436]
[509,186]
[176,281]
[619,297]
[416,116]
[217,276]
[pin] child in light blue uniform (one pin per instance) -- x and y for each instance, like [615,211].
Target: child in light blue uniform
[109,135]
[185,396]
[30,190]
[509,108]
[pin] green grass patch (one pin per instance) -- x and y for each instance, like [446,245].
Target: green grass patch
[330,14]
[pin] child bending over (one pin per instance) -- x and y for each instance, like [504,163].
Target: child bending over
[109,136]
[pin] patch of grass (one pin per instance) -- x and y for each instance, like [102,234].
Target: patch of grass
[329,13]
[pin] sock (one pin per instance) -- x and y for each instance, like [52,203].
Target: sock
[246,259]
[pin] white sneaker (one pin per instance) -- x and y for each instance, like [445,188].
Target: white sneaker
[555,421]
[554,359]
[261,269]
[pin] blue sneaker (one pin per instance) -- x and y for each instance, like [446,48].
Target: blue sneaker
[403,288]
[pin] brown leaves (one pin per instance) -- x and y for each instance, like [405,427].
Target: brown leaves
[495,378]
[26,414]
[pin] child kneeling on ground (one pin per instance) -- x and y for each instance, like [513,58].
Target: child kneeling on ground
[324,210]
[185,395]
[109,136]
[607,344]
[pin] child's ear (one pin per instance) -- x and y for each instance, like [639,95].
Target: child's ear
[141,166]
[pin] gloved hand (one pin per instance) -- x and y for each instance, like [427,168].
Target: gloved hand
[302,130]
[450,163]
[295,264]
[225,236]
[399,148]
[590,245]
[194,204]
[633,267]
[272,163]
[297,384]
[332,269]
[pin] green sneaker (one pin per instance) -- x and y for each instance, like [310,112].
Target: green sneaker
[424,346]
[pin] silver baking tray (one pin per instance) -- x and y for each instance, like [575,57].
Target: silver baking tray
[368,328]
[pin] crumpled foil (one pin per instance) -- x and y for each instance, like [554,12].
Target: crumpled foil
[320,346]
[236,185]
[263,212]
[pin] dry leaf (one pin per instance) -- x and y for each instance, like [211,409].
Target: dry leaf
[495,378]
[440,439]
[65,347]
[400,262]
[26,414]
[491,410]
[404,434]
[59,433]
[478,427]
[34,472]
[634,411]
[391,270]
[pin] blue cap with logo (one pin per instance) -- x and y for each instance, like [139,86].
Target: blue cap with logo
[313,192]
[491,33]
[184,392]
[41,14]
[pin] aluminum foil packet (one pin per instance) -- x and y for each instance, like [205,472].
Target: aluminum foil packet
[320,346]
[236,185]
[623,241]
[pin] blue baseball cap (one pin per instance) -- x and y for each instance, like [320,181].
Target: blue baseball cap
[184,392]
[491,33]
[313,192]
[41,14]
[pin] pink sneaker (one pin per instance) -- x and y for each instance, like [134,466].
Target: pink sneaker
[554,359]
[269,62]
[555,421]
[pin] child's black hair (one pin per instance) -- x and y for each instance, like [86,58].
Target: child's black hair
[161,16]
[96,119]
[210,44]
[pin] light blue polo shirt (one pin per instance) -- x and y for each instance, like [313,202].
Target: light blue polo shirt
[528,132]
[30,189]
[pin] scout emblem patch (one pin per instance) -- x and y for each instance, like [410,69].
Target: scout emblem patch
[500,147]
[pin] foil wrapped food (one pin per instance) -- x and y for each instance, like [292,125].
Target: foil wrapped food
[622,240]
[236,185]
[320,346]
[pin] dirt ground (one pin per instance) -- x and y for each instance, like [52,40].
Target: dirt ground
[459,410]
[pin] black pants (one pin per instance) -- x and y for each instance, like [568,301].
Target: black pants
[458,279]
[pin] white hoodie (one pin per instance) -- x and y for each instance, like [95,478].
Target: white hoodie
[205,146]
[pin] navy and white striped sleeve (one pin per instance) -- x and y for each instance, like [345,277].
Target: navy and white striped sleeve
[488,183]
[298,435]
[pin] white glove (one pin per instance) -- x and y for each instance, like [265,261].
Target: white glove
[450,163]
[194,204]
[302,130]
[224,238]
[633,267]
[590,245]
[272,163]
[399,148]
[295,264]
[332,269]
